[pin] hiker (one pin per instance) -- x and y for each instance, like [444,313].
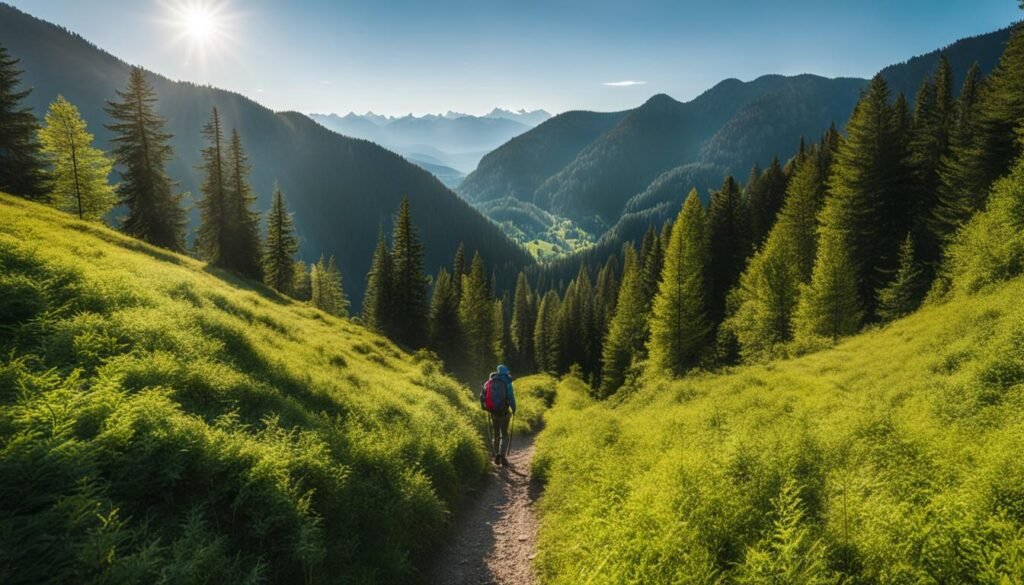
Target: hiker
[500,401]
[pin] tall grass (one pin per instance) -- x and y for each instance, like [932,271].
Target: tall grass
[895,457]
[161,422]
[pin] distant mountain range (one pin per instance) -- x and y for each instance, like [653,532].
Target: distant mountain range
[613,174]
[452,139]
[340,189]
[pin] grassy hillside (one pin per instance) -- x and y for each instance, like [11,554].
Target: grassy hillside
[164,422]
[893,458]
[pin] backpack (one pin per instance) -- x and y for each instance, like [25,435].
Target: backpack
[494,398]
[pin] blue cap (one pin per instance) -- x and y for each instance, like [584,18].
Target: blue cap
[503,369]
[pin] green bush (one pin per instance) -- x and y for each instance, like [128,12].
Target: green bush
[894,457]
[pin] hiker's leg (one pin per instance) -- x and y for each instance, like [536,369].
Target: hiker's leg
[502,424]
[495,434]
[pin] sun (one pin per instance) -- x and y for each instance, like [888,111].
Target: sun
[202,32]
[200,23]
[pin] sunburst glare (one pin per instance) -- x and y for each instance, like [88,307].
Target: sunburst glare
[204,27]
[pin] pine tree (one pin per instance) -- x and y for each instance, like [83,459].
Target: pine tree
[409,284]
[500,332]
[830,306]
[904,293]
[545,334]
[214,236]
[328,294]
[444,318]
[79,171]
[929,143]
[378,300]
[763,200]
[281,245]
[606,292]
[243,221]
[476,323]
[521,327]
[997,123]
[652,258]
[869,209]
[728,245]
[21,169]
[459,269]
[303,287]
[765,301]
[575,327]
[628,329]
[142,149]
[679,324]
[954,205]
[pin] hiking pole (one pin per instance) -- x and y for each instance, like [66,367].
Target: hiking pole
[511,425]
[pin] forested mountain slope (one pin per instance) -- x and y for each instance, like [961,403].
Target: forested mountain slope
[340,189]
[630,174]
[160,419]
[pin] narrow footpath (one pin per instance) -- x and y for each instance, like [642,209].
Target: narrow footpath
[494,539]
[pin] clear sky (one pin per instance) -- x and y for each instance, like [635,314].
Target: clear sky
[401,56]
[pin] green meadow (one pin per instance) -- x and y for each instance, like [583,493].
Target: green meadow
[894,457]
[163,421]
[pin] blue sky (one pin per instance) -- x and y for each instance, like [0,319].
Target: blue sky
[401,56]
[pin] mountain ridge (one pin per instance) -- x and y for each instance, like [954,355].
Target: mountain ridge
[340,189]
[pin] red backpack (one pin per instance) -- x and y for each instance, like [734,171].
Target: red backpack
[494,398]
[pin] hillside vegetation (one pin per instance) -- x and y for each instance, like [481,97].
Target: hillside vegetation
[161,421]
[894,457]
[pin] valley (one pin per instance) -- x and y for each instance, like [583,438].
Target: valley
[768,335]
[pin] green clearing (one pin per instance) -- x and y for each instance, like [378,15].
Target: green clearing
[161,421]
[895,457]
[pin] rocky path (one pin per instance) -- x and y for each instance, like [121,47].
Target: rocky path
[495,536]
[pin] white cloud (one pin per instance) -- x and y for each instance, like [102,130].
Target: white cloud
[626,83]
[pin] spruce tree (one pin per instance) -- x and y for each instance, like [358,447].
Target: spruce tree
[244,222]
[763,201]
[627,331]
[378,313]
[829,305]
[409,284]
[459,269]
[142,149]
[904,293]
[21,169]
[765,301]
[213,239]
[679,323]
[728,245]
[521,327]
[545,334]
[79,171]
[954,204]
[606,292]
[869,208]
[652,258]
[444,319]
[279,271]
[476,323]
[998,121]
[328,294]
[302,287]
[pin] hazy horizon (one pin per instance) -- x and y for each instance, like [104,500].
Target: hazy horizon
[397,58]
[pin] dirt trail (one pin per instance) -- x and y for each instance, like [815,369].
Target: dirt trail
[495,535]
